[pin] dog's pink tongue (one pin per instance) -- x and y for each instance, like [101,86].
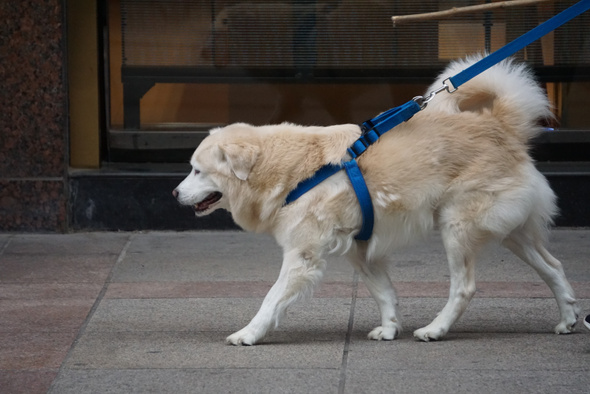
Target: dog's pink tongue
[211,198]
[202,206]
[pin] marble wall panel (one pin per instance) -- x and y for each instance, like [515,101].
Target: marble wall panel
[33,116]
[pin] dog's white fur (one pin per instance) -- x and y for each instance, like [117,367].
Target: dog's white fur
[461,164]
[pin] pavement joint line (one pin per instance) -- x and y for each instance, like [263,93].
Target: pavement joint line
[344,365]
[5,246]
[93,309]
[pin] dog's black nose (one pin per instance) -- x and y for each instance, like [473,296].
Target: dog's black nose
[175,193]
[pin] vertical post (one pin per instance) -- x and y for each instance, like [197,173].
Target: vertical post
[488,23]
[132,93]
[304,37]
[83,83]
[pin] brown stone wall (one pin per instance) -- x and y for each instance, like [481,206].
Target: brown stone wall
[33,117]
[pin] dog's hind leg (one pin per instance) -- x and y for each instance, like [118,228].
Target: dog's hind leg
[461,246]
[376,278]
[300,273]
[550,270]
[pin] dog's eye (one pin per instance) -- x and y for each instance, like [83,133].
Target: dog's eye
[197,172]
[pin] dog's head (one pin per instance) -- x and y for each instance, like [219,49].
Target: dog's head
[219,166]
[249,170]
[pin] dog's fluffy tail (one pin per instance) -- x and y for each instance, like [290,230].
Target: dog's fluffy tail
[508,90]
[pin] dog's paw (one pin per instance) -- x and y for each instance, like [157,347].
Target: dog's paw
[244,337]
[428,334]
[384,333]
[565,327]
[568,322]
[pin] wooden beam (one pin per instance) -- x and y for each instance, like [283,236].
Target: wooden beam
[452,12]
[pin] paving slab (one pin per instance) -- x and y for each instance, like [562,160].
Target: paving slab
[48,285]
[50,268]
[49,291]
[55,315]
[27,381]
[483,315]
[484,289]
[65,244]
[214,289]
[426,261]
[196,350]
[190,381]
[213,314]
[209,256]
[33,350]
[467,381]
[220,256]
[204,243]
[476,351]
[499,345]
[190,333]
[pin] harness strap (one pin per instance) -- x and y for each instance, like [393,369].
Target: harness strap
[358,184]
[362,194]
[373,129]
[304,186]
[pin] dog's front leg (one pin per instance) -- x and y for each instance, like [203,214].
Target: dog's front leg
[374,274]
[300,273]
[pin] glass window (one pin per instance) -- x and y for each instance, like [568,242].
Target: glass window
[177,67]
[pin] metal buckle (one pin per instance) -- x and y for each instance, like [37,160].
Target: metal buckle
[423,101]
[365,128]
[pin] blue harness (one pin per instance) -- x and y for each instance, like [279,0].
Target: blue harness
[372,129]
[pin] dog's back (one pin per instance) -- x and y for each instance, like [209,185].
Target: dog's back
[465,157]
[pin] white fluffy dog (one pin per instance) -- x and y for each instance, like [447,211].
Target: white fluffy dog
[461,164]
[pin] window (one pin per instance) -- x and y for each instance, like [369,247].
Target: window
[176,68]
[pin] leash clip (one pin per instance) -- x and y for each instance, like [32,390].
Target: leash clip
[423,101]
[448,84]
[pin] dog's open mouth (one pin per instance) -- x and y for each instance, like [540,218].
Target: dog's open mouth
[208,202]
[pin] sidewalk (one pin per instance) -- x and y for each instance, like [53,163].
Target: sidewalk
[149,312]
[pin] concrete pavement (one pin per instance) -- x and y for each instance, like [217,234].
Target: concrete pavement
[149,312]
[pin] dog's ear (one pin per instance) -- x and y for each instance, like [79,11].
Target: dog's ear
[240,157]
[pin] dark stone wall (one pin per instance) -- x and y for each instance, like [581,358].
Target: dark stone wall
[33,116]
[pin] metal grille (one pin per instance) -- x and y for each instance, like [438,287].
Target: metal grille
[333,34]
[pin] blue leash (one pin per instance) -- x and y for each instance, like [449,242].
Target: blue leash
[519,43]
[373,129]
